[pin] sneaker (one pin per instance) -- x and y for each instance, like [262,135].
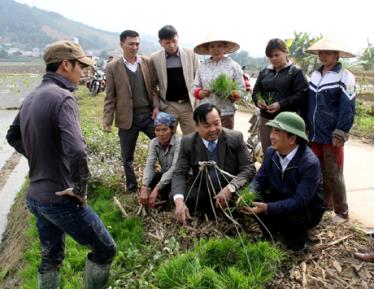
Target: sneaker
[338,219]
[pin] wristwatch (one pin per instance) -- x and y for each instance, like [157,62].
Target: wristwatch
[231,188]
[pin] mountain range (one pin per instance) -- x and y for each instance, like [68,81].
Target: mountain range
[28,28]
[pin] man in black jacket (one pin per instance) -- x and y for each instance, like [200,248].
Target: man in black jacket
[47,132]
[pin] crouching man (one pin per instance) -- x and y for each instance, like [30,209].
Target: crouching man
[289,183]
[211,142]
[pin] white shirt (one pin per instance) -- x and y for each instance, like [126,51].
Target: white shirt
[205,142]
[286,160]
[132,66]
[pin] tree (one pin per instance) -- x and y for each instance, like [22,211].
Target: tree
[366,59]
[297,47]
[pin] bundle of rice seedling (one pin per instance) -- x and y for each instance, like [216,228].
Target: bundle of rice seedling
[247,197]
[223,85]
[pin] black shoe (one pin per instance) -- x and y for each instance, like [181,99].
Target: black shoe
[298,248]
[131,189]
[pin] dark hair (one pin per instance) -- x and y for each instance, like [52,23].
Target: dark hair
[276,43]
[299,140]
[128,33]
[201,112]
[167,32]
[53,67]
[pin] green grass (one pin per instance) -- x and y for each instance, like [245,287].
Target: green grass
[221,263]
[138,264]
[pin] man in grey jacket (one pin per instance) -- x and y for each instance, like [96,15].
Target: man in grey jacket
[210,142]
[176,67]
[47,132]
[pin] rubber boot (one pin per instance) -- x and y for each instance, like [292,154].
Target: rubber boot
[49,280]
[96,275]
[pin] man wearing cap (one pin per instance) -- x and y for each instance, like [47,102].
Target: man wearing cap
[131,100]
[211,142]
[216,65]
[176,67]
[331,111]
[289,183]
[47,132]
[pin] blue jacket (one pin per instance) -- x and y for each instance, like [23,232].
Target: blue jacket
[299,188]
[331,104]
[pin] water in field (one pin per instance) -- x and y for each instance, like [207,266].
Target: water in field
[14,88]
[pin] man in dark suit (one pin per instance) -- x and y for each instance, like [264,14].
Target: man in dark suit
[210,142]
[131,99]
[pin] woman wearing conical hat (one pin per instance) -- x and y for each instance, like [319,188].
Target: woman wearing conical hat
[330,116]
[217,64]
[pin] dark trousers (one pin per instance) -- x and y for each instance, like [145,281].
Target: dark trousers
[54,221]
[165,191]
[292,227]
[128,139]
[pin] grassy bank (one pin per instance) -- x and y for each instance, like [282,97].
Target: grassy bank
[148,243]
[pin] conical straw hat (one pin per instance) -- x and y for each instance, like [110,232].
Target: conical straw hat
[202,48]
[330,44]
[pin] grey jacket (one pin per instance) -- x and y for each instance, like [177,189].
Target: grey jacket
[233,157]
[167,160]
[47,132]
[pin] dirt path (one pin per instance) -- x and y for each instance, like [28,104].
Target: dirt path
[358,172]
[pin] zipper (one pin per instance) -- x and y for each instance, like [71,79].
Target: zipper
[316,104]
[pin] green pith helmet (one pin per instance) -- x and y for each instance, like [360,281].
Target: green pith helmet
[289,122]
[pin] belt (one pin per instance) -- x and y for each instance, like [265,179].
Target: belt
[181,101]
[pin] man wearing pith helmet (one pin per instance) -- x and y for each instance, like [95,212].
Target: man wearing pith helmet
[331,110]
[289,183]
[47,132]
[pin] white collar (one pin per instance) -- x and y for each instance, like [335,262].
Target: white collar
[286,160]
[136,62]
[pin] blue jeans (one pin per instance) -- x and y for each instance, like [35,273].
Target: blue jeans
[54,221]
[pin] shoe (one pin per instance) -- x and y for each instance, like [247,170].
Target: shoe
[96,275]
[297,248]
[338,219]
[49,280]
[130,189]
[367,257]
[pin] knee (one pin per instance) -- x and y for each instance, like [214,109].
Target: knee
[105,255]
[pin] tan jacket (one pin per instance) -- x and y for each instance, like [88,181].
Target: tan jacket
[118,102]
[190,64]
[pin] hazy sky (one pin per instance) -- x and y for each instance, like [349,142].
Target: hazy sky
[250,23]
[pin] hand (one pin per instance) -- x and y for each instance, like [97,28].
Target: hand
[262,105]
[107,128]
[143,196]
[69,192]
[337,142]
[223,198]
[155,112]
[235,95]
[152,197]
[273,108]
[182,211]
[257,209]
[204,93]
